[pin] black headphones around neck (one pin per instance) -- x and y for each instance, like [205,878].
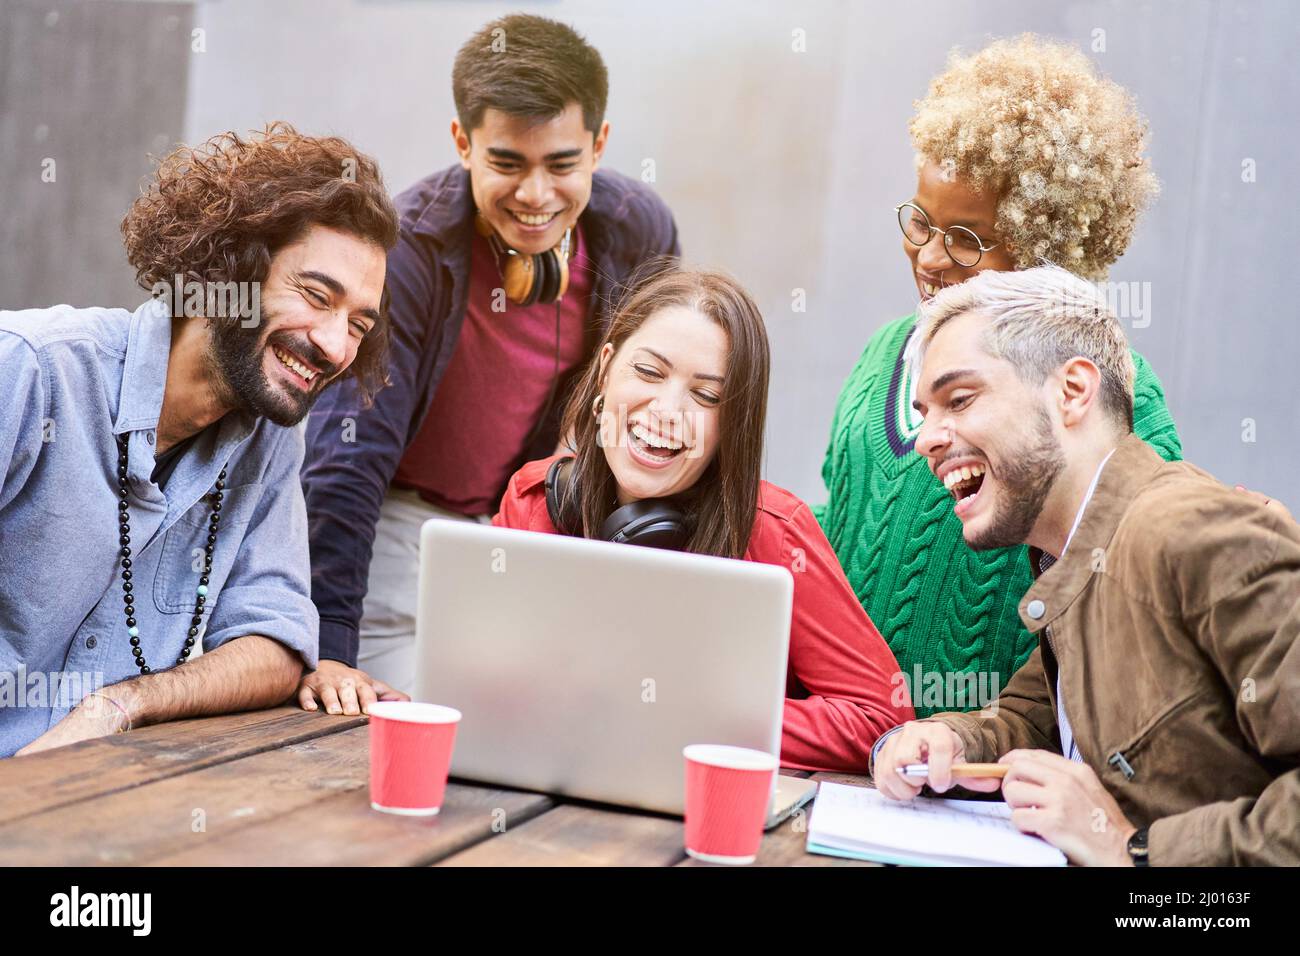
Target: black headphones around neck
[651,522]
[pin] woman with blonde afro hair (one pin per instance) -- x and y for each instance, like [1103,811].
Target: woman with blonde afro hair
[1059,148]
[1023,152]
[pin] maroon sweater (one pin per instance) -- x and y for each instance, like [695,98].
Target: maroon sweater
[494,389]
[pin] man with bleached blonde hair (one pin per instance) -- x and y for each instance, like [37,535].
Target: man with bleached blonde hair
[1158,720]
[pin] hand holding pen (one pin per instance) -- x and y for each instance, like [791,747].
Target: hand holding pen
[929,752]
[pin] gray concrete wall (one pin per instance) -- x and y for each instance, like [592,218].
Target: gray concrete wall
[87,91]
[783,166]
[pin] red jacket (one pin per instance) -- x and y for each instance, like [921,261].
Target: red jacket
[839,681]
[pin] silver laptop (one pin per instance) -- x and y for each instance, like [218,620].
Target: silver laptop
[583,668]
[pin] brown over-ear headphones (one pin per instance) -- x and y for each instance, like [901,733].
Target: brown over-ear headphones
[529,279]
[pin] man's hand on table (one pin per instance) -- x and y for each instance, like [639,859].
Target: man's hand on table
[1060,800]
[343,690]
[98,715]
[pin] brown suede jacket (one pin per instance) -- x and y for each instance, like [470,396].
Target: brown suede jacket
[1172,621]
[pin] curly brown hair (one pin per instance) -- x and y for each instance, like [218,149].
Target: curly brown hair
[218,212]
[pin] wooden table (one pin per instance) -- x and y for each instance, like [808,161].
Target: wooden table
[285,787]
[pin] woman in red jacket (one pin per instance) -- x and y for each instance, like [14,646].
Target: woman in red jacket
[671,411]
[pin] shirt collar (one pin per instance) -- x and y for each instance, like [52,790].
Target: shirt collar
[144,379]
[1130,467]
[449,210]
[1087,496]
[144,374]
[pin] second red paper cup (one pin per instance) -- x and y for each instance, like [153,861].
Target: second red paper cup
[728,793]
[410,755]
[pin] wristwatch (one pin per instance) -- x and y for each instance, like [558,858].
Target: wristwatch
[1137,847]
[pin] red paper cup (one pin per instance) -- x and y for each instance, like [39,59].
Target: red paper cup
[728,793]
[410,754]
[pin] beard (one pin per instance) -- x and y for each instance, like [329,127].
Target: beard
[1025,483]
[235,359]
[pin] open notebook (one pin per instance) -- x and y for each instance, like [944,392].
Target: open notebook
[859,823]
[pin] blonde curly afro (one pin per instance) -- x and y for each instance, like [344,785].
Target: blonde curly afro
[1060,145]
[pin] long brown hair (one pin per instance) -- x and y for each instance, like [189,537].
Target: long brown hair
[720,508]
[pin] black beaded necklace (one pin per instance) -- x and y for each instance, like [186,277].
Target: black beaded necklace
[124,526]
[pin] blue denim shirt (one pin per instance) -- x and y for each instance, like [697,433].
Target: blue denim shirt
[74,379]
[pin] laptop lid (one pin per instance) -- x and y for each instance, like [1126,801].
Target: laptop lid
[583,668]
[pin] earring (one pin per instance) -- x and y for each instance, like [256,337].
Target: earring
[598,406]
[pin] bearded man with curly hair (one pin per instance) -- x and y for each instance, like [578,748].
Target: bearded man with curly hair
[149,494]
[1023,153]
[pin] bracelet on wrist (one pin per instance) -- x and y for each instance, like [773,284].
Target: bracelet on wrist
[114,702]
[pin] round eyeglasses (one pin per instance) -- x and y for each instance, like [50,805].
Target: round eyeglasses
[963,246]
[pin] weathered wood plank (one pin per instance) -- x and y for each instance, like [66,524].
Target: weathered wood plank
[189,809]
[581,835]
[303,804]
[285,787]
[94,768]
[342,830]
[577,834]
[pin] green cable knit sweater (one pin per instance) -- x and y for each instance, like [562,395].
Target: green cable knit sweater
[943,608]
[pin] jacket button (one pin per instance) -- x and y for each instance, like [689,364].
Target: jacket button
[1036,609]
[91,642]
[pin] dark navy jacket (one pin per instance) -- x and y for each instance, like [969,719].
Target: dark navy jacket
[353,453]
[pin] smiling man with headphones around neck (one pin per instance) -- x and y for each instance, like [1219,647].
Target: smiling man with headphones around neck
[500,286]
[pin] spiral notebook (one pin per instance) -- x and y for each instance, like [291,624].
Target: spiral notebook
[859,823]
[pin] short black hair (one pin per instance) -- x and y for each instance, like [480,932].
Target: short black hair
[529,66]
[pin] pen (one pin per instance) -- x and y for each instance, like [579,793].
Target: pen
[914,771]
